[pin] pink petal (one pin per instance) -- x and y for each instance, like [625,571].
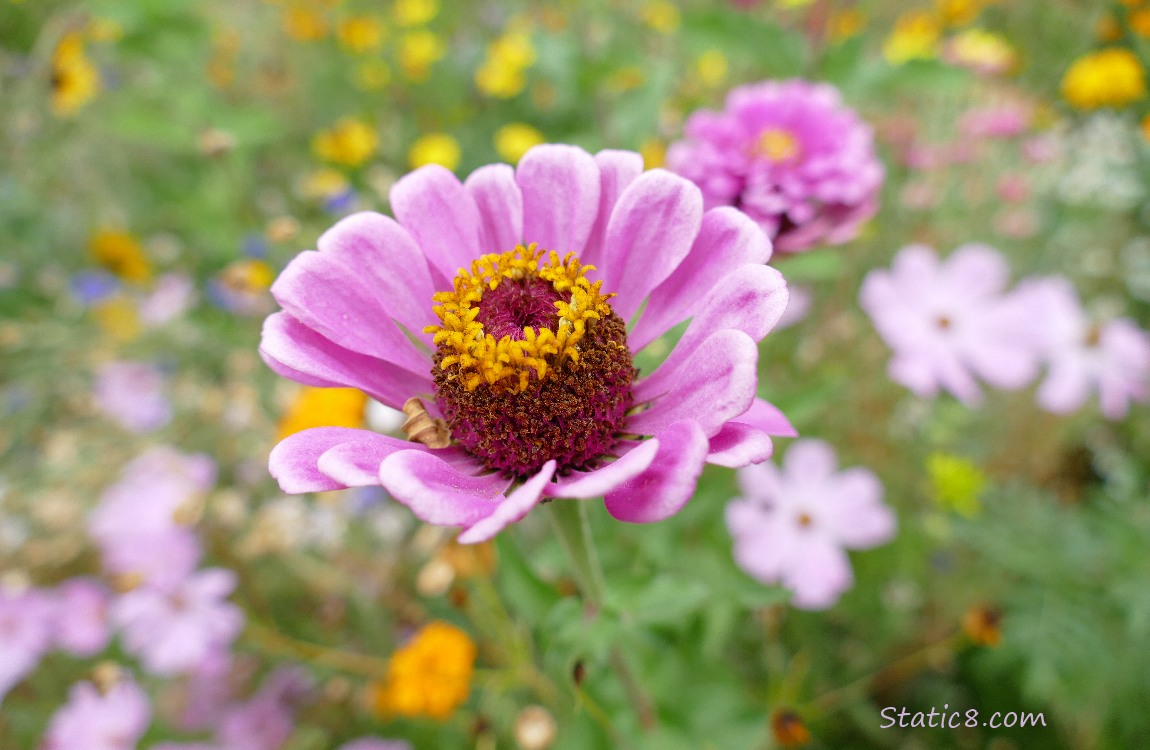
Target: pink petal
[356,463]
[1066,387]
[500,203]
[978,270]
[859,519]
[665,486]
[298,348]
[560,187]
[390,263]
[716,383]
[437,492]
[341,305]
[809,460]
[606,478]
[511,510]
[617,170]
[766,417]
[818,573]
[760,482]
[737,445]
[435,208]
[750,299]
[727,239]
[650,232]
[293,461]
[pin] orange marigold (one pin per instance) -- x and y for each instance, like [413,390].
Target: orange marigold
[430,676]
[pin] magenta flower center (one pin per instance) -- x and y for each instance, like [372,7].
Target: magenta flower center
[517,304]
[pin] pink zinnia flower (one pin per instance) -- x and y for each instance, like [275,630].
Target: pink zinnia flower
[950,322]
[174,631]
[114,720]
[25,633]
[1112,358]
[790,155]
[791,527]
[132,393]
[525,356]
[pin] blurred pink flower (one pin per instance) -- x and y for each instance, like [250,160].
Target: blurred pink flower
[1002,121]
[25,633]
[1112,358]
[81,626]
[171,296]
[791,156]
[114,720]
[950,322]
[372,743]
[266,720]
[791,527]
[173,631]
[132,393]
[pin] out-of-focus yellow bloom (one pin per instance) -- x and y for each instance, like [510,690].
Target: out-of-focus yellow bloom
[711,67]
[418,51]
[120,253]
[513,140]
[323,407]
[430,676]
[958,12]
[983,51]
[117,317]
[654,153]
[415,12]
[915,36]
[625,79]
[502,74]
[1111,77]
[372,75]
[794,3]
[956,483]
[322,184]
[349,141]
[360,34]
[845,23]
[75,79]
[660,15]
[304,24]
[434,148]
[249,274]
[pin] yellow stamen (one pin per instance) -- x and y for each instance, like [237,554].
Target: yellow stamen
[778,145]
[478,356]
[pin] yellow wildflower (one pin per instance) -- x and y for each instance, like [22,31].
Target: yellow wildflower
[75,79]
[120,253]
[349,141]
[513,140]
[711,67]
[434,148]
[415,12]
[958,12]
[845,23]
[654,153]
[794,3]
[1111,77]
[117,317]
[360,34]
[956,483]
[418,51]
[323,407]
[983,51]
[105,30]
[660,15]
[915,36]
[322,184]
[372,75]
[502,73]
[430,676]
[304,24]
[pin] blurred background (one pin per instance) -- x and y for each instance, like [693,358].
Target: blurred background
[161,161]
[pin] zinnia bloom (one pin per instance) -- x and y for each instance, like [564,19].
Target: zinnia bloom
[1111,77]
[791,156]
[949,322]
[1112,358]
[791,526]
[522,348]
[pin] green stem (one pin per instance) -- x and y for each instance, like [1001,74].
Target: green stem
[569,518]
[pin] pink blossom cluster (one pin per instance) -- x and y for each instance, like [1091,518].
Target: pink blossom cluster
[953,324]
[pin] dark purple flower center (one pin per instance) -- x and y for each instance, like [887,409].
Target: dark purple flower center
[518,303]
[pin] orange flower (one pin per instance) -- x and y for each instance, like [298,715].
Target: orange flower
[430,676]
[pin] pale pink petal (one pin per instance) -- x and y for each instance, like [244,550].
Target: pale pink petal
[760,482]
[856,517]
[818,574]
[585,484]
[437,492]
[293,463]
[617,170]
[500,203]
[389,261]
[668,483]
[356,463]
[978,270]
[517,505]
[435,208]
[766,417]
[650,232]
[738,445]
[727,239]
[714,384]
[343,306]
[1066,387]
[809,460]
[560,187]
